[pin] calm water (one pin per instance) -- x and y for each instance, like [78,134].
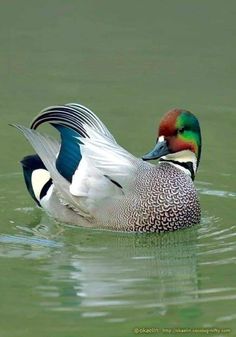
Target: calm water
[129,61]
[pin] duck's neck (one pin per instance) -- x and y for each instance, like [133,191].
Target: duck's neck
[185,160]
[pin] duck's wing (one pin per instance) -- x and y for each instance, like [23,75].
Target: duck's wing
[107,159]
[73,115]
[91,168]
[47,149]
[70,120]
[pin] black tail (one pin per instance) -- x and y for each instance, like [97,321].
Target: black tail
[29,164]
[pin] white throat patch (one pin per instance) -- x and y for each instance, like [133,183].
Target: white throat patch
[183,157]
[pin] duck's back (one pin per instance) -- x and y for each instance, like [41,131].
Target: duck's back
[163,199]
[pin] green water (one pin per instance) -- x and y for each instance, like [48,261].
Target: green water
[129,61]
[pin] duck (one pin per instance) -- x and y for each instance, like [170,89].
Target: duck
[85,178]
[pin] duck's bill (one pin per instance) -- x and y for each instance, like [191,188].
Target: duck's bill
[161,149]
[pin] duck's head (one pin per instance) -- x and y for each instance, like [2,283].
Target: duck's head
[178,140]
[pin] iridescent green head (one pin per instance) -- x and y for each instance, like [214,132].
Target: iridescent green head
[179,138]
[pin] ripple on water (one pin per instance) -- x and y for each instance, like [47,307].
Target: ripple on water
[217,241]
[216,259]
[26,240]
[204,188]
[15,246]
[10,175]
[102,274]
[226,318]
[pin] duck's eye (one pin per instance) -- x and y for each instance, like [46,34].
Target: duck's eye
[181,130]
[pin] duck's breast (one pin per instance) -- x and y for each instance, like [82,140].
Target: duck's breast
[166,199]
